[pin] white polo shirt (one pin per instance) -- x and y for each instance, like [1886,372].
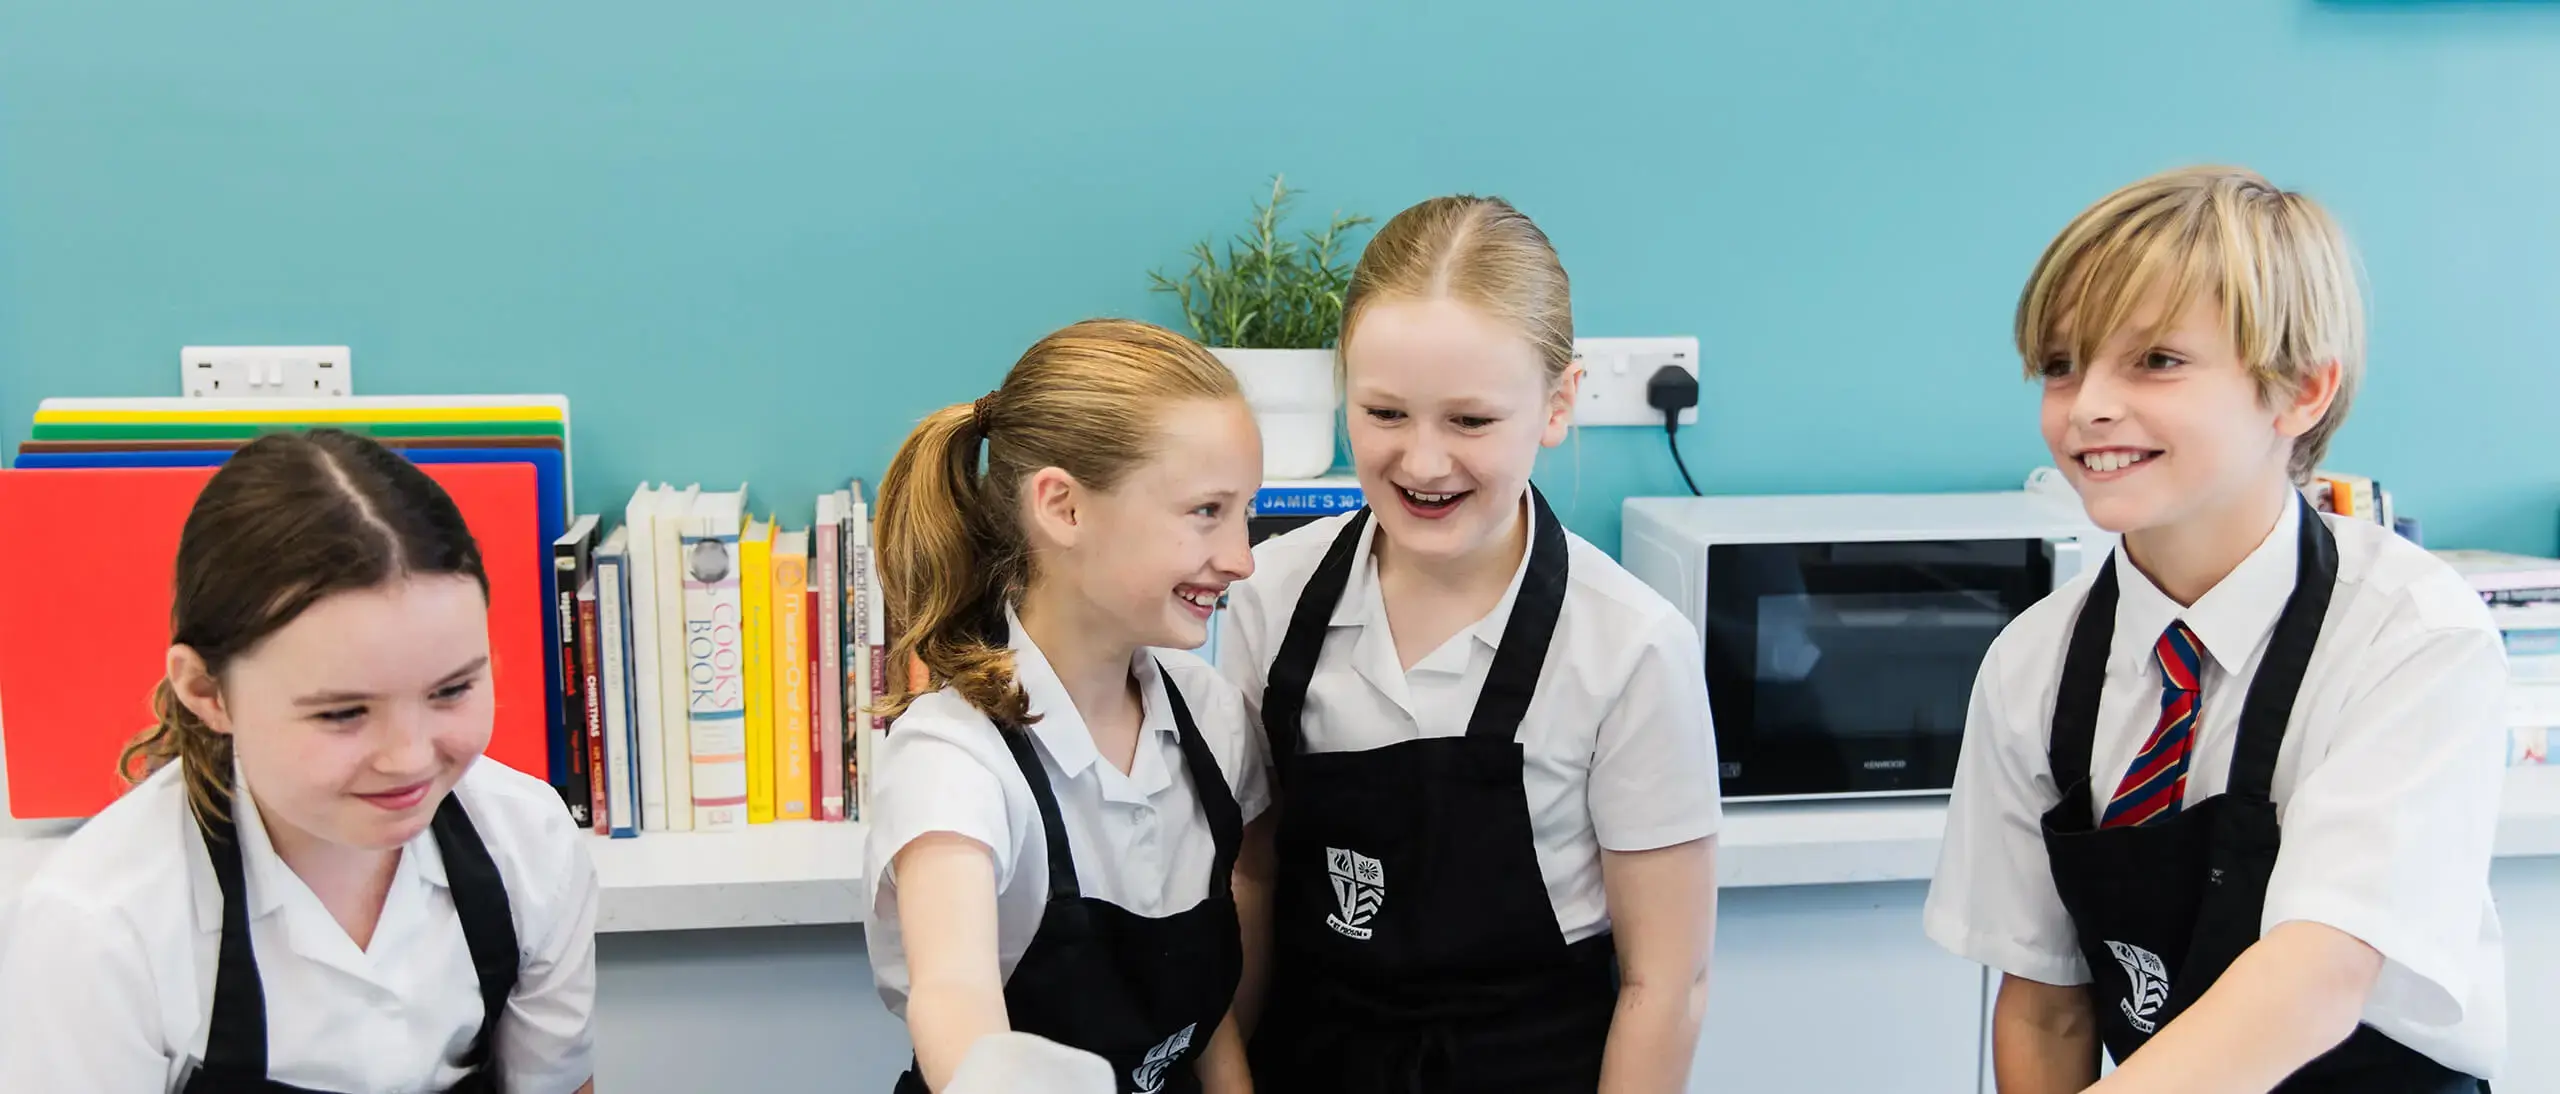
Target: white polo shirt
[1620,749]
[1140,840]
[106,977]
[2387,784]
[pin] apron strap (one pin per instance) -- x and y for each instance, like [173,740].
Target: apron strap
[236,1032]
[488,923]
[1053,825]
[1513,679]
[2279,678]
[2084,676]
[1284,693]
[1217,802]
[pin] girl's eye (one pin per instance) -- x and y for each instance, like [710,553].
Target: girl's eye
[343,716]
[451,692]
[2056,368]
[1471,422]
[1382,414]
[2161,361]
[1210,511]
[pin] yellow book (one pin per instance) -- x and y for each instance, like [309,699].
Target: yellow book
[755,606]
[790,597]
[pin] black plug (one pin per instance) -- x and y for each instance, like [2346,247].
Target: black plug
[1672,389]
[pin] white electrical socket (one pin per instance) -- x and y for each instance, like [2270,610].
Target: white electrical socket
[236,372]
[1615,371]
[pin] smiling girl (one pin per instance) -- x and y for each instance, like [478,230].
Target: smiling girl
[320,884]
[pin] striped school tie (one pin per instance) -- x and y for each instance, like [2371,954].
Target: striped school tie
[2156,785]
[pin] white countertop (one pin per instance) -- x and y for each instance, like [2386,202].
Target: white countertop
[806,873]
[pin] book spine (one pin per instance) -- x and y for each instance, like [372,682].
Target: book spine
[790,598]
[879,680]
[1275,501]
[622,772]
[648,727]
[755,599]
[591,707]
[675,729]
[857,652]
[830,564]
[812,681]
[715,681]
[570,763]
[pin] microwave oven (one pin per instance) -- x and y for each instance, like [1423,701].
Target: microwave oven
[1842,633]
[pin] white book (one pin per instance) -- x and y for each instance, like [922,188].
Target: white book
[875,632]
[640,528]
[619,764]
[675,729]
[715,645]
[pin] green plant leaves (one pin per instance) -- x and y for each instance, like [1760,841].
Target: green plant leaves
[1268,291]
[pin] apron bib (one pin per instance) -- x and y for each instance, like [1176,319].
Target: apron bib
[2161,909]
[1145,993]
[235,1051]
[1415,946]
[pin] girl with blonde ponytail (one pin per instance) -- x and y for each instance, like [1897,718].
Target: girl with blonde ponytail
[390,910]
[1495,862]
[1061,807]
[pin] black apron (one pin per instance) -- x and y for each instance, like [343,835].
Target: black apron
[1416,949]
[235,1051]
[2163,908]
[1144,993]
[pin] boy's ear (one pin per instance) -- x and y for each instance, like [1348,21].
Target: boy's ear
[2310,402]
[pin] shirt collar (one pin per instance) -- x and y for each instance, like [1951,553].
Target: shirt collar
[1061,731]
[2230,620]
[268,879]
[1363,603]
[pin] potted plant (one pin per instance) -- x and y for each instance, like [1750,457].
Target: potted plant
[1270,308]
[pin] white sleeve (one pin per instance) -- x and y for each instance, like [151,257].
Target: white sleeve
[546,1040]
[1992,899]
[1653,767]
[928,783]
[2389,834]
[78,1007]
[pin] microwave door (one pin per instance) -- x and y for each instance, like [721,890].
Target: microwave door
[1846,669]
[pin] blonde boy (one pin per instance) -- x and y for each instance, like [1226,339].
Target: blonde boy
[2226,804]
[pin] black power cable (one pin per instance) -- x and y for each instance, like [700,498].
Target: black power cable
[1671,390]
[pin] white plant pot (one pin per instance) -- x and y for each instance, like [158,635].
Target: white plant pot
[1294,397]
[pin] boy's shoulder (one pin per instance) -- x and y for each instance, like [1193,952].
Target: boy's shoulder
[2415,588]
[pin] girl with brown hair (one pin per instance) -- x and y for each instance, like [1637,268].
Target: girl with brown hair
[317,883]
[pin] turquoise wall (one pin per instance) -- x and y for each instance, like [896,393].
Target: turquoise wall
[756,241]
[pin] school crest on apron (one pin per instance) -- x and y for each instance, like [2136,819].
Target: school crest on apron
[1359,889]
[2149,980]
[1149,1076]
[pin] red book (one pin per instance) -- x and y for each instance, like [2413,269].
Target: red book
[817,723]
[589,677]
[84,627]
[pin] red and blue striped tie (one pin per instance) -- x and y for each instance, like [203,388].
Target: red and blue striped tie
[2156,785]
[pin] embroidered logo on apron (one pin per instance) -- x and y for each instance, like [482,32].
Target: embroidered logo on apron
[1150,1074]
[2150,980]
[1359,887]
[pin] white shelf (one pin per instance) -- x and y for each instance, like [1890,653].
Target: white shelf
[768,875]
[793,874]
